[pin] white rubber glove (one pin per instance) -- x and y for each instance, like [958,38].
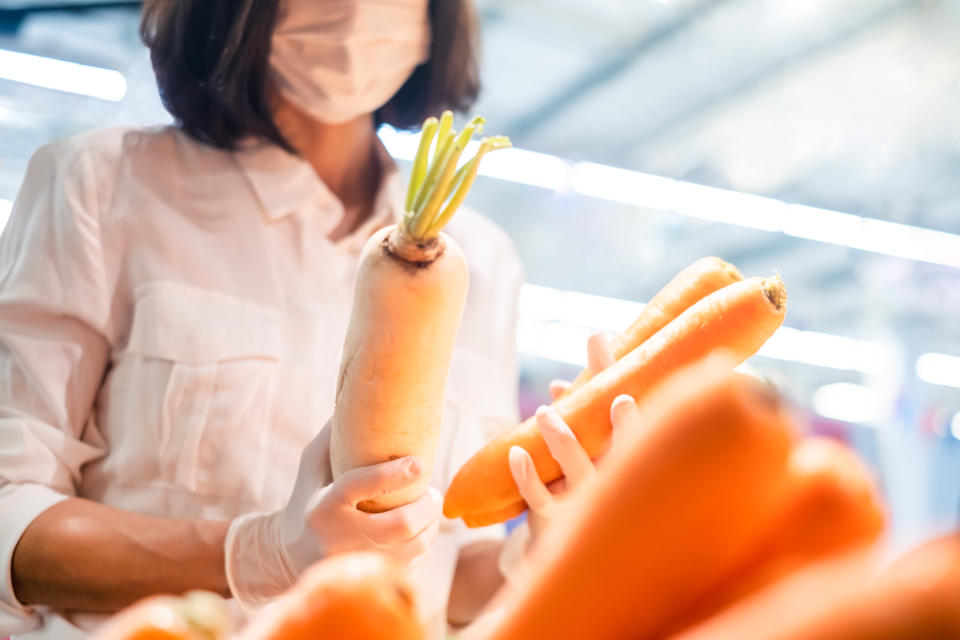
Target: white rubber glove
[545,502]
[266,552]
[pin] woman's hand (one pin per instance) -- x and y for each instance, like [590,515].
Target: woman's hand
[545,502]
[322,518]
[266,553]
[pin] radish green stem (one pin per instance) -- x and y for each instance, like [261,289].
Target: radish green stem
[437,165]
[419,171]
[469,172]
[436,181]
[446,123]
[439,194]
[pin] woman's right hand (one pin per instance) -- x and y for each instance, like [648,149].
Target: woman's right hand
[322,519]
[266,553]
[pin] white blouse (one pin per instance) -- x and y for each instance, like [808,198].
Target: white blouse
[171,319]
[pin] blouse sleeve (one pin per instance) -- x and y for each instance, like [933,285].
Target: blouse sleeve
[54,306]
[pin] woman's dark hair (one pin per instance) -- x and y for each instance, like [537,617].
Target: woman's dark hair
[211,58]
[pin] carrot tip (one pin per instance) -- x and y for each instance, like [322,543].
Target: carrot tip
[775,292]
[732,270]
[450,509]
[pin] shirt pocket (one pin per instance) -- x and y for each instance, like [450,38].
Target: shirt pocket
[210,361]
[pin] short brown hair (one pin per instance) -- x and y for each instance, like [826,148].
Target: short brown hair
[211,59]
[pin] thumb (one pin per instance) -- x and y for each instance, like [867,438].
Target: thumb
[599,353]
[365,483]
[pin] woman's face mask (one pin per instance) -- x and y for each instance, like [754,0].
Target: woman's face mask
[339,59]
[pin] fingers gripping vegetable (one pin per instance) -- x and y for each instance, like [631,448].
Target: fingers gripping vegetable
[409,298]
[700,279]
[197,616]
[671,511]
[738,318]
[351,596]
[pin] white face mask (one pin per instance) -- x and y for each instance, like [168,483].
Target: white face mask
[339,59]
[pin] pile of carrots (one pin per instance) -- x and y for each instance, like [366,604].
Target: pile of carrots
[717,520]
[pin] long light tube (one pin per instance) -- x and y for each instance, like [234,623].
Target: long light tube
[62,75]
[848,402]
[708,203]
[939,368]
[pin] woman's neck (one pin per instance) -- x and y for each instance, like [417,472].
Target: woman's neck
[344,157]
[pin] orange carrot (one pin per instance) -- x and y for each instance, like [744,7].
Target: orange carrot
[848,598]
[698,280]
[500,515]
[830,502]
[196,616]
[410,293]
[738,318]
[672,510]
[350,596]
[829,505]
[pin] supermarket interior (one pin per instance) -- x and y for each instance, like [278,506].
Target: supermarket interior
[811,139]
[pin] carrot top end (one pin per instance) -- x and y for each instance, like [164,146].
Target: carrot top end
[436,181]
[206,613]
[775,292]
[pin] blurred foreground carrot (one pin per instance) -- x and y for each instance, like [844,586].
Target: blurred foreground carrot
[351,596]
[829,504]
[671,512]
[849,598]
[196,616]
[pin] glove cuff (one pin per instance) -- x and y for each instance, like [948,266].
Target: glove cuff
[255,561]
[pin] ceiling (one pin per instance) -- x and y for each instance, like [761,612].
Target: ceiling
[848,106]
[845,105]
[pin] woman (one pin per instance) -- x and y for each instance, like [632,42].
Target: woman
[172,306]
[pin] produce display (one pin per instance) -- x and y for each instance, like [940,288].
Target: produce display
[410,292]
[737,318]
[718,520]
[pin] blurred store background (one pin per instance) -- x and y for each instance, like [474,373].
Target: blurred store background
[819,139]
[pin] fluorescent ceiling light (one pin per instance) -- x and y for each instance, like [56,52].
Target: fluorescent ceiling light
[555,325]
[848,402]
[61,75]
[527,167]
[553,341]
[766,214]
[573,308]
[6,206]
[707,203]
[939,368]
[514,165]
[826,350]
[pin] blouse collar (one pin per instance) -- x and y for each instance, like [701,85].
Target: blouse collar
[285,183]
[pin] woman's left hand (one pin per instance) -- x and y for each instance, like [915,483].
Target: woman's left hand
[545,502]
